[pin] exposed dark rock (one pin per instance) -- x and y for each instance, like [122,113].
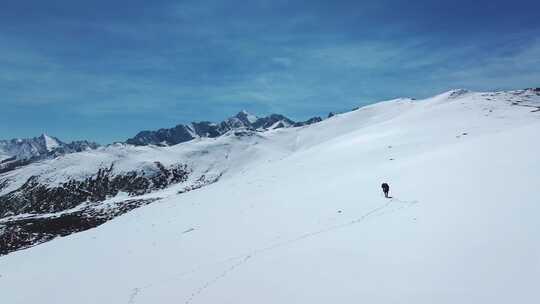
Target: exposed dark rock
[244,117]
[207,129]
[201,182]
[9,165]
[37,213]
[34,197]
[3,183]
[8,160]
[75,146]
[271,120]
[535,91]
[22,233]
[173,136]
[308,122]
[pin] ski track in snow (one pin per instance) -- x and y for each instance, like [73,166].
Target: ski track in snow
[242,259]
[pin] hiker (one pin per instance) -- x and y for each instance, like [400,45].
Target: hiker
[385,189]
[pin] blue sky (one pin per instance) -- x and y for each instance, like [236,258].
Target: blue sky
[104,70]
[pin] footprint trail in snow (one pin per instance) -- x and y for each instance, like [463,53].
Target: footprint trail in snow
[242,259]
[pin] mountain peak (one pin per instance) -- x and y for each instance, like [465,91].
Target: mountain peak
[50,143]
[246,117]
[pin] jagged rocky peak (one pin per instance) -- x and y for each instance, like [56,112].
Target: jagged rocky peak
[242,120]
[172,136]
[246,117]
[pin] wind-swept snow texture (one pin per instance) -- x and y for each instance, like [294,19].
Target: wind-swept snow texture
[301,218]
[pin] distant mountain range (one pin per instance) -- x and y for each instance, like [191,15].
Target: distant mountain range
[242,120]
[17,152]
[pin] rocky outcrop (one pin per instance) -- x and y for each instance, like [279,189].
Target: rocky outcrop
[17,234]
[37,198]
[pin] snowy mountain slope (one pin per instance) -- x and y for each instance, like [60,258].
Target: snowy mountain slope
[69,193]
[299,217]
[65,195]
